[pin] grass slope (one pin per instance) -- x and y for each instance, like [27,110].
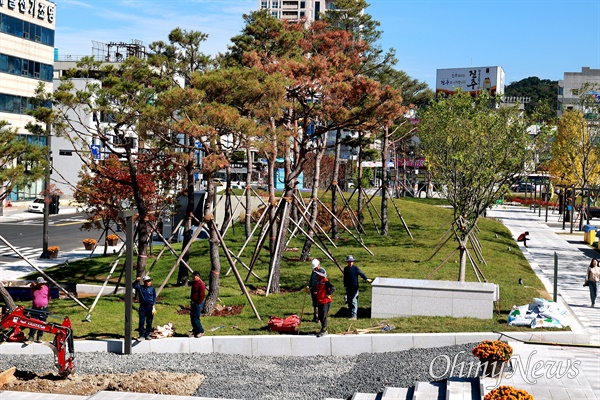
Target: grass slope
[396,255]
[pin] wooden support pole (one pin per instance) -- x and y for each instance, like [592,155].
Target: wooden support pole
[235,271]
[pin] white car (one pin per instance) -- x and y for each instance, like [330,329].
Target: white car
[36,206]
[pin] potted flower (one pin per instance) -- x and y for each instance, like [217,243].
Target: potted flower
[508,393]
[112,239]
[89,243]
[492,354]
[53,251]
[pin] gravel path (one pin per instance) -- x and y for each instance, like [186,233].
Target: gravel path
[240,377]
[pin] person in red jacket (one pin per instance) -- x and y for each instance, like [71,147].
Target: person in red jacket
[197,301]
[523,237]
[324,290]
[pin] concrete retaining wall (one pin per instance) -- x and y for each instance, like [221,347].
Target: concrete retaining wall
[407,297]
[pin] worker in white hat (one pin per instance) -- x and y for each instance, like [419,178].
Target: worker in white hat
[312,283]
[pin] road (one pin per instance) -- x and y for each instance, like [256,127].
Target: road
[26,235]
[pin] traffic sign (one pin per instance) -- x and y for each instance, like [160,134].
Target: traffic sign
[95,148]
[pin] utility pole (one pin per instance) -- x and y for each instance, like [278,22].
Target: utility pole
[47,197]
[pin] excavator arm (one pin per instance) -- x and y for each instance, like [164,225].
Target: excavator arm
[62,345]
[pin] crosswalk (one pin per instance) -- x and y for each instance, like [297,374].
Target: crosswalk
[29,252]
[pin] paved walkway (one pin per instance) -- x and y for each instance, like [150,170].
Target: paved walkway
[548,238]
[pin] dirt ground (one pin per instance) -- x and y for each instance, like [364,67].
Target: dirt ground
[86,385]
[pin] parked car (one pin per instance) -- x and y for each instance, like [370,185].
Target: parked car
[37,206]
[522,187]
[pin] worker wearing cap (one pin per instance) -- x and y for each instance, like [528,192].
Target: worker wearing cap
[147,299]
[40,298]
[351,274]
[324,290]
[312,283]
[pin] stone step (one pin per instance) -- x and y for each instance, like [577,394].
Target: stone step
[430,391]
[394,393]
[463,389]
[366,396]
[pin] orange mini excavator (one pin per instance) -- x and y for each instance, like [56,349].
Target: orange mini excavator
[62,345]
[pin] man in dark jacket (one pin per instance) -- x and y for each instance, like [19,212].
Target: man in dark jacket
[351,274]
[147,297]
[197,301]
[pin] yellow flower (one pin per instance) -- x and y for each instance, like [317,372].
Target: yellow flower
[89,241]
[493,350]
[53,249]
[112,236]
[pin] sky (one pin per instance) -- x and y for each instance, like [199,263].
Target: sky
[541,38]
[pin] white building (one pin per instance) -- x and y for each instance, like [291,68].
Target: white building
[568,88]
[26,58]
[294,10]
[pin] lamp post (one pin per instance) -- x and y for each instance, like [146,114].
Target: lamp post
[127,214]
[47,197]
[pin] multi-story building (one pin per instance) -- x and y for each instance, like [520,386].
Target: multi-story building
[569,87]
[294,10]
[26,58]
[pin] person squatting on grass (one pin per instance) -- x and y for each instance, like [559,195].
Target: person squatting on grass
[147,298]
[324,290]
[312,287]
[351,274]
[197,301]
[592,277]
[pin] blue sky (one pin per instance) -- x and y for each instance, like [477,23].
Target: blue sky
[542,38]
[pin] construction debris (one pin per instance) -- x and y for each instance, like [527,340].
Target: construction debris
[164,331]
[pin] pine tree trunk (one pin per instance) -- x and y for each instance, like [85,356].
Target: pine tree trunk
[335,234]
[7,298]
[215,263]
[384,185]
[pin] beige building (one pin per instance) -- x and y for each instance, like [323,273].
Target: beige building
[568,88]
[294,10]
[26,58]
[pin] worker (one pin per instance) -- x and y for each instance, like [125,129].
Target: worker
[351,274]
[40,298]
[196,303]
[312,283]
[147,300]
[324,290]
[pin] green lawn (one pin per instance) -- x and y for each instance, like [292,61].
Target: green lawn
[394,256]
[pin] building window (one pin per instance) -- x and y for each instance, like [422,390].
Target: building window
[23,67]
[302,4]
[263,4]
[275,14]
[575,92]
[26,30]
[275,4]
[560,90]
